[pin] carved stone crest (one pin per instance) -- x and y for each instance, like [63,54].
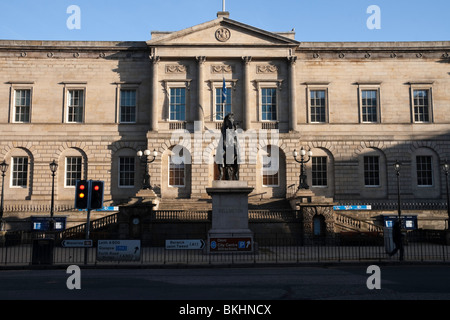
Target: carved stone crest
[223,34]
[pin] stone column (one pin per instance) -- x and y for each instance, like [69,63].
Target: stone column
[292,108]
[246,101]
[154,103]
[199,113]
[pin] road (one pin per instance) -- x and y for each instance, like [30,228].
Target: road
[262,284]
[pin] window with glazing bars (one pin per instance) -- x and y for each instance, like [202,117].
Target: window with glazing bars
[75,106]
[22,105]
[177,104]
[127,106]
[176,171]
[318,108]
[20,172]
[269,104]
[270,171]
[369,105]
[421,106]
[222,108]
[319,171]
[424,170]
[73,170]
[371,171]
[126,171]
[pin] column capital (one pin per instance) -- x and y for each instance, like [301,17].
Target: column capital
[155,59]
[247,59]
[200,59]
[292,59]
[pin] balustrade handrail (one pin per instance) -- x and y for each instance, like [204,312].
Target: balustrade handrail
[356,223]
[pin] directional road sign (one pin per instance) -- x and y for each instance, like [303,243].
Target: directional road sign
[185,244]
[76,243]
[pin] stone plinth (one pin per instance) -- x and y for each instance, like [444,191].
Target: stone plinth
[229,231]
[144,197]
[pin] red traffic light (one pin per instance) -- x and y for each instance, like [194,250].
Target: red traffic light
[81,194]
[96,188]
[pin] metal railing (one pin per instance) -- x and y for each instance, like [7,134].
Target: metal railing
[267,249]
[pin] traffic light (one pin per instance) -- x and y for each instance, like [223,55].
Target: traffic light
[82,194]
[96,195]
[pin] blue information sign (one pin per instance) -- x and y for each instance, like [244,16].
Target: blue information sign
[354,207]
[43,223]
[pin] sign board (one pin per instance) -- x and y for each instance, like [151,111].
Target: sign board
[43,223]
[119,250]
[185,244]
[357,207]
[230,244]
[409,222]
[76,243]
[103,209]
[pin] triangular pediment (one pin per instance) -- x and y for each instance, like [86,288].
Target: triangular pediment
[222,31]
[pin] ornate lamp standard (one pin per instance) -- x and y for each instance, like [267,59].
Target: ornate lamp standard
[446,168]
[302,183]
[397,166]
[143,156]
[53,167]
[3,168]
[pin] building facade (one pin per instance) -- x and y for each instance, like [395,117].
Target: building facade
[90,106]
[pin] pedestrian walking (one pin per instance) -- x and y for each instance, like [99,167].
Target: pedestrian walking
[398,239]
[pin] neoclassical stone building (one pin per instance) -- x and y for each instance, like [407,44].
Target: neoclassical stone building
[90,106]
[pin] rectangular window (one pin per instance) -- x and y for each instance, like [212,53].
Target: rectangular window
[318,106]
[178,104]
[319,171]
[22,102]
[127,106]
[270,176]
[269,104]
[424,170]
[73,170]
[369,105]
[75,106]
[371,171]
[20,172]
[222,108]
[126,171]
[176,171]
[421,105]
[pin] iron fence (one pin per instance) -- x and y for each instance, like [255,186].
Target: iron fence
[267,249]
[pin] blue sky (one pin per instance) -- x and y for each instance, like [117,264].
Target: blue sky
[313,20]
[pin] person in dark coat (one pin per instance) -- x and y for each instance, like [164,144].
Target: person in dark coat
[398,239]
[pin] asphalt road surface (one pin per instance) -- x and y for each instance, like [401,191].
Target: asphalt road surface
[263,284]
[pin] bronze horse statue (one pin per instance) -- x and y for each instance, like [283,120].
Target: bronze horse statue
[228,163]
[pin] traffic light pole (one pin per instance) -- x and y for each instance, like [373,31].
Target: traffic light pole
[88,224]
[88,195]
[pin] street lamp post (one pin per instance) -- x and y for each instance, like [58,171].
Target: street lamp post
[397,171]
[446,168]
[144,157]
[3,168]
[53,166]
[302,178]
